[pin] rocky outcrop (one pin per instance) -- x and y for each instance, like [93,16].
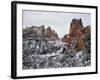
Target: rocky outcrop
[35,32]
[51,34]
[75,28]
[77,36]
[67,39]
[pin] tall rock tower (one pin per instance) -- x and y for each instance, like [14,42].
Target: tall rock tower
[75,37]
[76,28]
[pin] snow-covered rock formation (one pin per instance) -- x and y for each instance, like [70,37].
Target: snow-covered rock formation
[42,47]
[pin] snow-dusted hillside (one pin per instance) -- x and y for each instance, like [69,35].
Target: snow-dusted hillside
[38,54]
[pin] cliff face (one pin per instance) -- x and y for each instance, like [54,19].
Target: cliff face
[75,28]
[40,32]
[51,34]
[77,35]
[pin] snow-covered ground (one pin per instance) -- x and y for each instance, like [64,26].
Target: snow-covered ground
[38,54]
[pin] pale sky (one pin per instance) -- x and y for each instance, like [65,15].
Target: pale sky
[58,21]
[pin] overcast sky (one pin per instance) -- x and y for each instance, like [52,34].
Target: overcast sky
[59,21]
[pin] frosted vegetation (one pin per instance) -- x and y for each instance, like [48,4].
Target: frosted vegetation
[39,54]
